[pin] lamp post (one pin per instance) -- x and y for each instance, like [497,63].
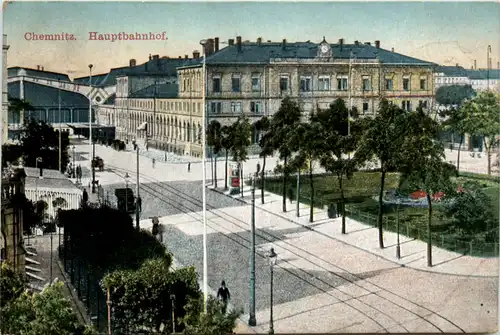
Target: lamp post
[60,130]
[73,167]
[488,65]
[172,299]
[398,246]
[204,181]
[272,258]
[252,320]
[93,167]
[90,120]
[126,191]
[137,189]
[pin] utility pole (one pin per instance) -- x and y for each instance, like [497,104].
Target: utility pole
[60,130]
[90,116]
[93,167]
[252,321]
[137,190]
[204,176]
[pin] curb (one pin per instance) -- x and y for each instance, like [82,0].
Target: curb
[346,243]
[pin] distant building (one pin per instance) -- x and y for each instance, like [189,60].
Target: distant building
[479,79]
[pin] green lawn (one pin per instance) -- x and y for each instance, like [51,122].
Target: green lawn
[361,192]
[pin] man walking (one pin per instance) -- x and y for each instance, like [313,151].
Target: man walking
[224,295]
[189,167]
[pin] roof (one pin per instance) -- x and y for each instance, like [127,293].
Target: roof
[452,71]
[17,71]
[51,179]
[110,100]
[40,95]
[96,79]
[255,53]
[161,91]
[483,74]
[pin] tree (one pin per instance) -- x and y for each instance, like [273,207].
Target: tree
[383,139]
[454,95]
[337,144]
[214,139]
[242,132]
[214,322]
[227,133]
[307,142]
[25,313]
[141,298]
[470,211]
[484,110]
[460,121]
[266,149]
[19,106]
[283,123]
[38,139]
[424,166]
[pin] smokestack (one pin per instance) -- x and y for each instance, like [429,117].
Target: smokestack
[475,64]
[341,43]
[230,42]
[132,63]
[284,44]
[377,44]
[216,40]
[259,41]
[186,57]
[196,54]
[238,43]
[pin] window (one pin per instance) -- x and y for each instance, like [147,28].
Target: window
[255,107]
[365,107]
[255,83]
[236,107]
[236,83]
[216,87]
[406,84]
[342,83]
[305,84]
[423,103]
[215,107]
[406,105]
[388,84]
[284,83]
[367,83]
[423,84]
[324,83]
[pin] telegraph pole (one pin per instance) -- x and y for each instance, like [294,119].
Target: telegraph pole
[137,191]
[252,321]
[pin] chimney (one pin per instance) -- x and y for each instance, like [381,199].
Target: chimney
[210,46]
[196,54]
[268,41]
[284,44]
[156,57]
[216,41]
[41,172]
[132,63]
[38,67]
[186,57]
[238,43]
[392,49]
[149,56]
[457,65]
[368,43]
[230,42]
[377,44]
[180,57]
[259,41]
[42,68]
[341,43]
[498,65]
[356,42]
[475,64]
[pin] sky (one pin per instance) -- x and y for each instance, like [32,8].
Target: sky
[443,32]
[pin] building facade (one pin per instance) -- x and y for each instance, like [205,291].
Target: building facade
[252,78]
[479,79]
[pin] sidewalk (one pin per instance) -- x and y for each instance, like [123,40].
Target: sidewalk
[365,237]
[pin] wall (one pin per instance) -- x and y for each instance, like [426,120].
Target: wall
[72,197]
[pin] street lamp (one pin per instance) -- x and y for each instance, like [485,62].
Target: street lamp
[398,246]
[204,177]
[488,65]
[272,258]
[90,120]
[126,191]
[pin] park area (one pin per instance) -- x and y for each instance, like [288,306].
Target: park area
[361,194]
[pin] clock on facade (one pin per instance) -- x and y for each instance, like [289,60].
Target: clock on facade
[324,48]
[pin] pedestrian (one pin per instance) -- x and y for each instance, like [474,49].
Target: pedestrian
[139,203]
[189,167]
[224,295]
[85,196]
[154,161]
